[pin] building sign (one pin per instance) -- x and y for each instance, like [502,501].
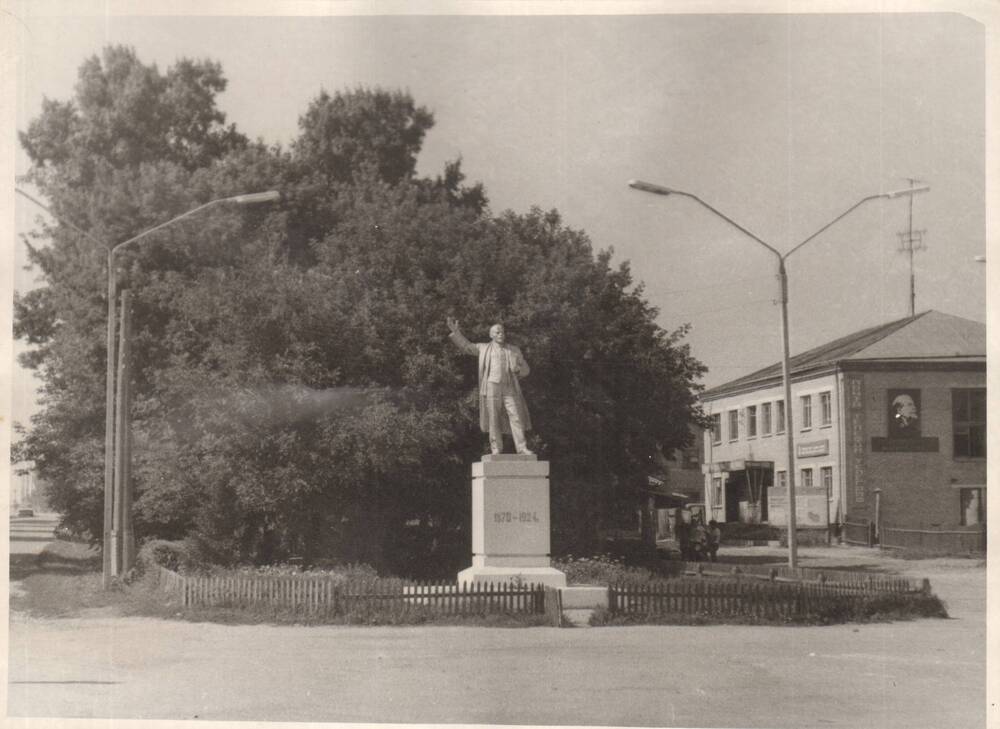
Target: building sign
[903,413]
[905,445]
[854,402]
[815,448]
[811,506]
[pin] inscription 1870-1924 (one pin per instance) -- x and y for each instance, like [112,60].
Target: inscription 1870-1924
[510,517]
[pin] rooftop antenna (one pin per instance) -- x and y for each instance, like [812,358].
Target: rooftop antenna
[909,241]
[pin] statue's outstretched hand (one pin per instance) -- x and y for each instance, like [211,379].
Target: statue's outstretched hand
[453,325]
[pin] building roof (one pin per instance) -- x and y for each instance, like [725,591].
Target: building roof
[928,336]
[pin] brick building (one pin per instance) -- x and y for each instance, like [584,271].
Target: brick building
[889,437]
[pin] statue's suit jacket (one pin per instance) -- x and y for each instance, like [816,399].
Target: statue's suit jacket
[482,350]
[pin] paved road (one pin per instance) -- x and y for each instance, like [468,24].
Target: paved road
[29,535]
[927,673]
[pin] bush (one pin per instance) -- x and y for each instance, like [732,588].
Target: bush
[880,607]
[182,556]
[601,569]
[635,552]
[830,609]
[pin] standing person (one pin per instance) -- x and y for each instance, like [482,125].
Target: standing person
[501,405]
[700,540]
[714,539]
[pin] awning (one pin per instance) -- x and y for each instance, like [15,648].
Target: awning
[736,465]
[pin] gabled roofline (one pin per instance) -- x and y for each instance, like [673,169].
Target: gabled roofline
[825,355]
[900,364]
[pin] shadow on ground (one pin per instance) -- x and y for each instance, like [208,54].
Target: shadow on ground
[55,560]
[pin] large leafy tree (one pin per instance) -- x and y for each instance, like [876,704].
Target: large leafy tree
[295,391]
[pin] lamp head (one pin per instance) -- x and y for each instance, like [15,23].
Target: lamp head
[649,187]
[908,191]
[254,198]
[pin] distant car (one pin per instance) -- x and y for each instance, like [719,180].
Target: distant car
[25,512]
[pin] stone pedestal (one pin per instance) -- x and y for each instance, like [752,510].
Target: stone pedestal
[510,522]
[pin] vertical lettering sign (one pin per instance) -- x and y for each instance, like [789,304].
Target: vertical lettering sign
[856,436]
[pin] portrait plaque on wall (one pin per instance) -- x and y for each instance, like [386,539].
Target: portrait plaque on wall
[903,425]
[903,413]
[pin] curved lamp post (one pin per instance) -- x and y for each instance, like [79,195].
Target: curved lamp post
[113,557]
[783,278]
[112,538]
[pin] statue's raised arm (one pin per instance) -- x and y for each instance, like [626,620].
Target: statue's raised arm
[501,405]
[458,338]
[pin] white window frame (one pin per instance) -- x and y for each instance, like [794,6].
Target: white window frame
[806,483]
[825,471]
[733,417]
[716,428]
[962,507]
[765,418]
[779,417]
[807,416]
[751,421]
[825,409]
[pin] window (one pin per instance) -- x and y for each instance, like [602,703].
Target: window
[968,416]
[717,428]
[734,425]
[781,480]
[973,506]
[779,408]
[826,476]
[807,478]
[825,409]
[751,421]
[807,411]
[765,419]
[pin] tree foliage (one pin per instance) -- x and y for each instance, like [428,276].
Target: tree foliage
[295,392]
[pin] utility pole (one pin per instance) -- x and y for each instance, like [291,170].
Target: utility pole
[121,555]
[909,241]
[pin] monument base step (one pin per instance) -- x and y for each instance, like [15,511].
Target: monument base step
[580,597]
[578,618]
[548,576]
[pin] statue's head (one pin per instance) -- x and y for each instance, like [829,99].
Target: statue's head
[904,409]
[497,333]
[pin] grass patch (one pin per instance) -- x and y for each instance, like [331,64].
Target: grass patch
[607,569]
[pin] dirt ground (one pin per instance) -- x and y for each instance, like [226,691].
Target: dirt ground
[926,673]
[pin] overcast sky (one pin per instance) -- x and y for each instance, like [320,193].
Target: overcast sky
[782,122]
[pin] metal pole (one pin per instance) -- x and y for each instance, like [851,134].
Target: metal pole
[913,285]
[123,466]
[878,516]
[783,276]
[787,382]
[120,515]
[110,564]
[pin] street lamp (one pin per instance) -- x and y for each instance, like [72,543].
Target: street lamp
[783,278]
[113,557]
[111,539]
